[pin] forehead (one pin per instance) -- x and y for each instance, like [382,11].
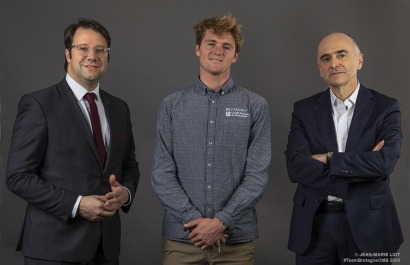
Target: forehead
[89,36]
[226,37]
[335,42]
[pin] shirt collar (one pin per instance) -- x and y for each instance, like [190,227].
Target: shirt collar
[350,100]
[78,90]
[226,88]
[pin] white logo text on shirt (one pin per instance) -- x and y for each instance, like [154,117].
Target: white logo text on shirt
[237,112]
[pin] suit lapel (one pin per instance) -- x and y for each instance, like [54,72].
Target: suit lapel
[79,116]
[110,119]
[362,112]
[324,121]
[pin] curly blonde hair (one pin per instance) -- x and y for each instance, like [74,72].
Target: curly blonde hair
[219,26]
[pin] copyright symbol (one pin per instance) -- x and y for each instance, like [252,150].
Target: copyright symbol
[356,254]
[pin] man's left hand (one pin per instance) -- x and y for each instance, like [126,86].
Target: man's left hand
[206,232]
[117,197]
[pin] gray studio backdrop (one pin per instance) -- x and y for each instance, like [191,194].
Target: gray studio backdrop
[153,55]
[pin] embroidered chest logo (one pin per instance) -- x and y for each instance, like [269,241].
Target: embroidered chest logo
[237,112]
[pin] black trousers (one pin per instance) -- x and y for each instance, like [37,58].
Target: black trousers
[333,244]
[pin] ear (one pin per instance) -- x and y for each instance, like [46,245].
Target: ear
[360,62]
[68,55]
[197,50]
[235,58]
[320,71]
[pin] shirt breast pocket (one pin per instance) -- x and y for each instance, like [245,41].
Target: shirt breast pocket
[236,132]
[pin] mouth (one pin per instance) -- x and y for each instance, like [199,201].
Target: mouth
[91,67]
[336,73]
[216,60]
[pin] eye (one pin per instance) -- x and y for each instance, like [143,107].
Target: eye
[341,56]
[227,48]
[325,59]
[99,50]
[83,49]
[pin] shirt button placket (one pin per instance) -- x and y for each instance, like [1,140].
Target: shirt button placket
[210,154]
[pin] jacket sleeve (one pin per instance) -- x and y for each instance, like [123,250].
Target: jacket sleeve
[301,167]
[28,145]
[367,165]
[130,169]
[255,178]
[164,173]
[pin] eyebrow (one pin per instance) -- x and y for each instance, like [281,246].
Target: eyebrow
[96,46]
[214,41]
[336,52]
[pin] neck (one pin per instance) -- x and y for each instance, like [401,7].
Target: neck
[213,82]
[89,86]
[343,92]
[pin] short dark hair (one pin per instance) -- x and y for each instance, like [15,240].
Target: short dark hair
[85,24]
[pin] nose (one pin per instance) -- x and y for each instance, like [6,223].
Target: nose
[218,49]
[92,55]
[334,62]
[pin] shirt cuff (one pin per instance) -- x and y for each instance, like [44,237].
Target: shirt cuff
[75,208]
[192,216]
[226,219]
[129,198]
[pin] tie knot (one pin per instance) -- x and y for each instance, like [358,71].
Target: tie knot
[89,97]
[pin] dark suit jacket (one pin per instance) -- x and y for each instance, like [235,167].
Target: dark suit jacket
[53,159]
[359,176]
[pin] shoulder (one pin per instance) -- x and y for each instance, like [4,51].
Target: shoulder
[245,94]
[180,95]
[47,95]
[311,100]
[377,95]
[253,103]
[380,100]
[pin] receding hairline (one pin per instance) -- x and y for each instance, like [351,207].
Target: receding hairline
[354,42]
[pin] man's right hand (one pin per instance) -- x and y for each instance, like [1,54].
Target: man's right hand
[206,232]
[92,208]
[378,146]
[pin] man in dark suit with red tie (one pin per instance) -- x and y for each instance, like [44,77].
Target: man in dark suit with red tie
[343,145]
[72,158]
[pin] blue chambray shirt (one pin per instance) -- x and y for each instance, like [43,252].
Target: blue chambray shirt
[211,158]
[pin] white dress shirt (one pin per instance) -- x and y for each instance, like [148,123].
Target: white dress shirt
[342,112]
[79,92]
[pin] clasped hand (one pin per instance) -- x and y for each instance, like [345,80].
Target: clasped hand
[206,232]
[98,207]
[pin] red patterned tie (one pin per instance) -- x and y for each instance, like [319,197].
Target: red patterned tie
[95,122]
